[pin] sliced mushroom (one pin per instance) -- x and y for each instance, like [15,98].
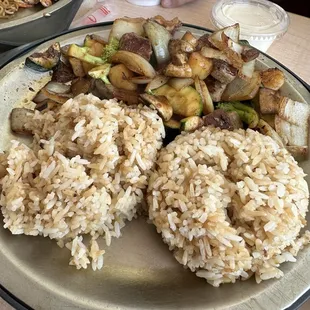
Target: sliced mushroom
[269,101]
[19,119]
[160,103]
[184,71]
[272,78]
[190,38]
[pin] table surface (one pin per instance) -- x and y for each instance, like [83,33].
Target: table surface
[292,50]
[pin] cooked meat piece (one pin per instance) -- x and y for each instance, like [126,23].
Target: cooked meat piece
[216,88]
[80,86]
[62,73]
[235,119]
[249,53]
[19,118]
[219,118]
[223,72]
[203,41]
[131,42]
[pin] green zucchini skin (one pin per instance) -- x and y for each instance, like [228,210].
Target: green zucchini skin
[44,61]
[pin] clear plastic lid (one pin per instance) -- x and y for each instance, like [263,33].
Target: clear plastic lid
[258,19]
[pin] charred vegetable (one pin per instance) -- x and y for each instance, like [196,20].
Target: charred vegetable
[200,65]
[134,62]
[272,78]
[125,25]
[44,61]
[179,83]
[160,103]
[186,102]
[106,91]
[269,101]
[19,118]
[159,38]
[101,72]
[82,53]
[191,123]
[120,75]
[184,71]
[246,113]
[173,124]
[264,128]
[240,89]
[203,91]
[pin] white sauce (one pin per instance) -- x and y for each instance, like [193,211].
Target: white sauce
[260,23]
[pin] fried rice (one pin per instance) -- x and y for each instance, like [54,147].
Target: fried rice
[85,173]
[229,204]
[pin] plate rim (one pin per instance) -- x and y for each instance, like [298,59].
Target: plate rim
[37,15]
[18,52]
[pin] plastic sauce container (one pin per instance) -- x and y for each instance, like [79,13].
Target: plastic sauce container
[261,22]
[145,2]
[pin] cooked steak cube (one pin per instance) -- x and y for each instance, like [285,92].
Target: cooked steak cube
[223,72]
[131,42]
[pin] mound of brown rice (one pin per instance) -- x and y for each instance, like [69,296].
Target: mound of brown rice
[229,204]
[84,174]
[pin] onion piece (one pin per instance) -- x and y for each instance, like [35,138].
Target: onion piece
[159,38]
[247,70]
[158,81]
[239,89]
[140,79]
[180,83]
[39,97]
[57,88]
[134,62]
[264,128]
[125,25]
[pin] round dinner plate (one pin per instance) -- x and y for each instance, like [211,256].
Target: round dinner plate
[139,272]
[32,24]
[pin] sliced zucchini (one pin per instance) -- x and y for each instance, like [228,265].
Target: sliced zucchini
[173,124]
[186,102]
[82,53]
[44,61]
[191,123]
[101,72]
[95,48]
[203,91]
